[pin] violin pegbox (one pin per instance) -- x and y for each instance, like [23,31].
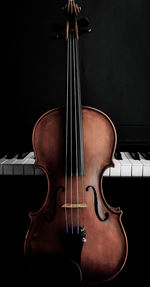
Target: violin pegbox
[73,24]
[71,11]
[71,8]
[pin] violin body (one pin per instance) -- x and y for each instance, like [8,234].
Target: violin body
[103,254]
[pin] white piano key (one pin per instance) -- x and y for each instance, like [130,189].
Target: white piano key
[115,171]
[146,165]
[19,164]
[2,160]
[125,165]
[28,168]
[8,166]
[39,171]
[137,166]
[106,172]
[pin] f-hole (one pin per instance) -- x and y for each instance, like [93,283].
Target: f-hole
[96,204]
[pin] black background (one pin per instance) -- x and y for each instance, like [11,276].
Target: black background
[114,61]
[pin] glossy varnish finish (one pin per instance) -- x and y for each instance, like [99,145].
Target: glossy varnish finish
[104,253]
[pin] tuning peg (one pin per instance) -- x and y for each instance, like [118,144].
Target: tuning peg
[83,22]
[84,25]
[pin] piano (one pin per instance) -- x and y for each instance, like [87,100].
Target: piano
[127,164]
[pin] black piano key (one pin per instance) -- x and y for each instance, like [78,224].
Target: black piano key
[11,155]
[25,154]
[2,154]
[22,155]
[146,155]
[135,155]
[117,155]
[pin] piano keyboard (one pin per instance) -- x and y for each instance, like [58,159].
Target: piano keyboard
[127,164]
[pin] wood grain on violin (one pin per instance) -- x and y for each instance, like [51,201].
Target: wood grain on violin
[73,146]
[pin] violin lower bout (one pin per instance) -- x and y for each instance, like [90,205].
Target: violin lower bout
[105,252]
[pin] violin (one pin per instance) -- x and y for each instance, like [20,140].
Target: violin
[75,234]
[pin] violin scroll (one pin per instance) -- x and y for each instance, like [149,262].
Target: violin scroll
[73,24]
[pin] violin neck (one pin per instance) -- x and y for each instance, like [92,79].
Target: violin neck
[74,132]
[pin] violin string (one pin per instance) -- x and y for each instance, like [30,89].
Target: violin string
[83,218]
[71,174]
[66,155]
[76,142]
[80,120]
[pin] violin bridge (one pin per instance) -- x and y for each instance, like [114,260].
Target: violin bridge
[74,205]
